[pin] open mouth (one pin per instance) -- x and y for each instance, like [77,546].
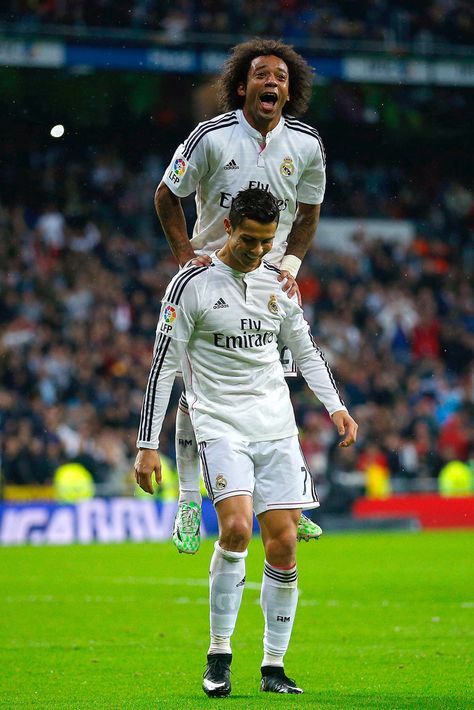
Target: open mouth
[268,100]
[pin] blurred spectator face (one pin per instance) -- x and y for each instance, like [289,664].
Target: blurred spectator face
[266,92]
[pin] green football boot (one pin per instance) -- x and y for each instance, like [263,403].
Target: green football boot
[307,529]
[187,528]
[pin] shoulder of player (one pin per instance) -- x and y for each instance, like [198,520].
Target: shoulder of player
[205,129]
[304,131]
[189,279]
[270,273]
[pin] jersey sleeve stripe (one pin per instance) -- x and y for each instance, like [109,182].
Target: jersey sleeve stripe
[146,418]
[180,282]
[299,124]
[331,377]
[303,128]
[162,345]
[205,124]
[271,267]
[188,150]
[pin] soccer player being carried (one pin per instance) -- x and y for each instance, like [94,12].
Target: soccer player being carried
[258,142]
[222,324]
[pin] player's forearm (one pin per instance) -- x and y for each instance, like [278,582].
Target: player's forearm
[170,212]
[311,362]
[319,377]
[155,405]
[303,230]
[167,355]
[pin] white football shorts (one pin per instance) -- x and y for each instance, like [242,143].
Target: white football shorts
[274,473]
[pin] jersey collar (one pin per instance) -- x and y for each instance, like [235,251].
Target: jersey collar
[256,134]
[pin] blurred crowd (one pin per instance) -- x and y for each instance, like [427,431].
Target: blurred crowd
[83,265]
[398,21]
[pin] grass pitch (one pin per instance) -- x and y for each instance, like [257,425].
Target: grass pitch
[384,621]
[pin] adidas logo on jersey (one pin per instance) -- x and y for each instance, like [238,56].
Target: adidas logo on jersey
[231,165]
[220,304]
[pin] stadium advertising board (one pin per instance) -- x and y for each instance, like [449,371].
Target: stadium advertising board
[372,69]
[97,520]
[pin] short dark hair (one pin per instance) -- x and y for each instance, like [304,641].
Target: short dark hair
[236,69]
[254,203]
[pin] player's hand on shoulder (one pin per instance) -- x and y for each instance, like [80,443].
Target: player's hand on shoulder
[290,287]
[201,260]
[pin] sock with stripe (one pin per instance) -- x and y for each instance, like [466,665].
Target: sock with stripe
[278,599]
[226,585]
[187,460]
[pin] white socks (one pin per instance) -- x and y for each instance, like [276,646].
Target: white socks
[278,599]
[187,460]
[226,585]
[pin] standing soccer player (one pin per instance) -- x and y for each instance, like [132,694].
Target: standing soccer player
[257,142]
[241,412]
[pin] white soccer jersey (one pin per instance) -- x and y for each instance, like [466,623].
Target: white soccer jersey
[225,155]
[222,328]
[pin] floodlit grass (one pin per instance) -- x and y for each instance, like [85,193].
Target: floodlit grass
[384,622]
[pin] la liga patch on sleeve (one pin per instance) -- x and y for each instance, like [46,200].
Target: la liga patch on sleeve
[167,320]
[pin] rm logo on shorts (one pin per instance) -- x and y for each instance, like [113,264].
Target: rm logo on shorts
[220,482]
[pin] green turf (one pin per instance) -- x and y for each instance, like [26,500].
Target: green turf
[384,622]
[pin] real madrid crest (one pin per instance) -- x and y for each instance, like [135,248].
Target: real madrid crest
[287,167]
[273,304]
[220,482]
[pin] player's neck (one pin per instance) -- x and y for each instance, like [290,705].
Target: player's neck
[225,255]
[261,125]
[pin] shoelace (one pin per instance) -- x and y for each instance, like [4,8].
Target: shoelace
[218,666]
[188,522]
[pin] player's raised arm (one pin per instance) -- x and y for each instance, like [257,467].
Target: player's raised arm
[170,212]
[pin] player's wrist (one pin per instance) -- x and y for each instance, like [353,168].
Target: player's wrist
[290,263]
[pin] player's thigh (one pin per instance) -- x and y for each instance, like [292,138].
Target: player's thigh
[227,469]
[283,480]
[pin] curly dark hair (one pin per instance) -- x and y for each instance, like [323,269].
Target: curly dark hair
[254,203]
[236,68]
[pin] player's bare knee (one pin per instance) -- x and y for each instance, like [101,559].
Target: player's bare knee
[236,533]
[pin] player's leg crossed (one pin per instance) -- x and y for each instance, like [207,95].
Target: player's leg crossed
[187,525]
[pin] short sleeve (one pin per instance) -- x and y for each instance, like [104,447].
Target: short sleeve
[188,165]
[312,184]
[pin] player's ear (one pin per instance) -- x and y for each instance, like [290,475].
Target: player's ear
[241,89]
[227,226]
